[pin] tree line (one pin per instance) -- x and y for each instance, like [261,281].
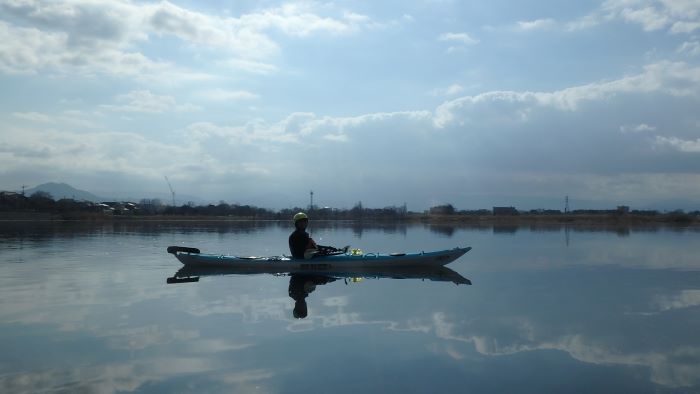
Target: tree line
[41,201]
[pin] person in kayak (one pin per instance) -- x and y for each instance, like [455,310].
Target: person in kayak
[301,245]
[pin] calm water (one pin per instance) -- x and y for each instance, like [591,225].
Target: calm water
[87,309]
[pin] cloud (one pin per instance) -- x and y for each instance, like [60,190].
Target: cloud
[302,126]
[72,118]
[643,127]
[33,116]
[144,101]
[299,19]
[451,90]
[675,79]
[462,38]
[93,152]
[29,50]
[475,139]
[536,24]
[226,95]
[688,146]
[250,66]
[692,48]
[677,17]
[104,37]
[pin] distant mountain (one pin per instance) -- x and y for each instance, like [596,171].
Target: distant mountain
[63,190]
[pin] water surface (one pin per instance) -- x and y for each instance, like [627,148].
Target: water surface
[86,308]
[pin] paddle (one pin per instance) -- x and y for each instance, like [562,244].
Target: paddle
[330,250]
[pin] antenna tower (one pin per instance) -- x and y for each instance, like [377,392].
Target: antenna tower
[566,204]
[311,204]
[171,189]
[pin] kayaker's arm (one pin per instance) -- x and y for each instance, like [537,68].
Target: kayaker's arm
[311,244]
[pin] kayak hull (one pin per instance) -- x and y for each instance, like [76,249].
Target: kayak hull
[192,258]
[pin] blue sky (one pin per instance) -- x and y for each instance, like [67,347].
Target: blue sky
[423,102]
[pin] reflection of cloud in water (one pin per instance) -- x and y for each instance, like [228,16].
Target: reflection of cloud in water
[142,337]
[128,377]
[210,346]
[496,336]
[684,299]
[69,298]
[335,301]
[679,367]
[253,310]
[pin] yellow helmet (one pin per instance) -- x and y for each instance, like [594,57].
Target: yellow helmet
[300,216]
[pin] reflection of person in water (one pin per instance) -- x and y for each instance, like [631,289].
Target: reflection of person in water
[300,286]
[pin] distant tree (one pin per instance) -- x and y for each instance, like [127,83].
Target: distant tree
[446,209]
[41,201]
[40,194]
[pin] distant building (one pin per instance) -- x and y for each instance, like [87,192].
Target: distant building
[623,209]
[504,211]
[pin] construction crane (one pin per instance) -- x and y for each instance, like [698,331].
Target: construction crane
[171,188]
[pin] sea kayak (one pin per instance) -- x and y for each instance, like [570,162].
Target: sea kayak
[192,257]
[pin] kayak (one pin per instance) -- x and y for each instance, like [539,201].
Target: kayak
[192,257]
[190,273]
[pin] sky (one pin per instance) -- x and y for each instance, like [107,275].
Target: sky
[423,102]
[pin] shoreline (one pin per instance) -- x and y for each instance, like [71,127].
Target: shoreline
[522,220]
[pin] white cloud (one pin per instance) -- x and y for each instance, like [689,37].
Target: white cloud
[451,90]
[691,48]
[33,116]
[676,79]
[29,50]
[301,125]
[652,15]
[643,127]
[336,137]
[93,152]
[685,27]
[250,66]
[690,146]
[226,95]
[72,118]
[299,19]
[649,17]
[103,37]
[536,24]
[462,38]
[146,102]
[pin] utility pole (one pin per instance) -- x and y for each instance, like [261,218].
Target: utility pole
[171,189]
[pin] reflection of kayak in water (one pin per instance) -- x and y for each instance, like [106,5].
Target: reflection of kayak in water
[190,273]
[193,258]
